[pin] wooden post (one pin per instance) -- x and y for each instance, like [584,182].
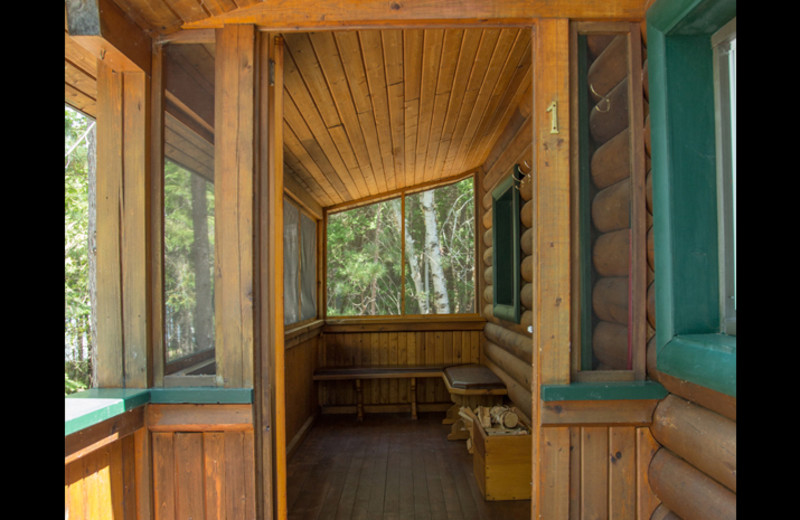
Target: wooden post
[551,249]
[123,180]
[234,174]
[269,381]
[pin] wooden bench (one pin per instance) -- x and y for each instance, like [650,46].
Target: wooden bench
[358,374]
[469,385]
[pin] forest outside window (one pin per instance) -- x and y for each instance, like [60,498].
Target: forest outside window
[300,264]
[188,266]
[409,255]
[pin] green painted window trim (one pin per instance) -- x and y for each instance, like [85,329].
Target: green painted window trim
[93,406]
[506,248]
[627,390]
[689,343]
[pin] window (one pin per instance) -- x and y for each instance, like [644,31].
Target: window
[692,343]
[79,349]
[300,264]
[410,255]
[724,45]
[506,248]
[188,266]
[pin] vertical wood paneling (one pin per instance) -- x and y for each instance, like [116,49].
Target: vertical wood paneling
[204,475]
[444,347]
[556,466]
[622,473]
[594,473]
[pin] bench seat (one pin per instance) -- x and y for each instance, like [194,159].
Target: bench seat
[470,383]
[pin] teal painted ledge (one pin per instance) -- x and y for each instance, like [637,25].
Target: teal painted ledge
[93,406]
[604,391]
[96,405]
[201,395]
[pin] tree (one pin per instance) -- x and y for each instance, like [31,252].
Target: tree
[78,329]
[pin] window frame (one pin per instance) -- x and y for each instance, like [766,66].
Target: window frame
[399,194]
[725,104]
[193,367]
[689,341]
[506,243]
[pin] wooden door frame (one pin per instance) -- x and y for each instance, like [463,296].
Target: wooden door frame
[551,284]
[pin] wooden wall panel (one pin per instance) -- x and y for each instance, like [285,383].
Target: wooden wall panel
[99,484]
[415,347]
[606,470]
[301,401]
[203,465]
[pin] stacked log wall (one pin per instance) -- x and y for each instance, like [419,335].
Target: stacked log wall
[610,193]
[507,346]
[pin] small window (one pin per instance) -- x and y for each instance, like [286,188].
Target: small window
[724,44]
[506,248]
[300,264]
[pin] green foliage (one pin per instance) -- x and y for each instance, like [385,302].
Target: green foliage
[77,306]
[180,271]
[365,254]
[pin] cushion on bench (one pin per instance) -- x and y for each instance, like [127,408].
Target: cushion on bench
[472,377]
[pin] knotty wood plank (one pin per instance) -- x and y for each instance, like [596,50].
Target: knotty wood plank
[622,472]
[189,495]
[551,279]
[594,471]
[164,484]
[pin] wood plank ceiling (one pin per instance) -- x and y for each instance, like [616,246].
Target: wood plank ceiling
[365,112]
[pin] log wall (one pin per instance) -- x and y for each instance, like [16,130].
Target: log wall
[507,346]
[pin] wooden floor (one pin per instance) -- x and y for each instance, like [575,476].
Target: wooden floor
[388,467]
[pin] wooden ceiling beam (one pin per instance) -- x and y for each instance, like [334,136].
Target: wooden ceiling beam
[305,15]
[104,30]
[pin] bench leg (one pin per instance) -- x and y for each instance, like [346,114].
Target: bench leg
[359,401]
[413,397]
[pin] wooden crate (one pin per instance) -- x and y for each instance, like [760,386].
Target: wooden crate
[502,464]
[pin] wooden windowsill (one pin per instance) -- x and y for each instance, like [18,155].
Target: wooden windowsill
[404,323]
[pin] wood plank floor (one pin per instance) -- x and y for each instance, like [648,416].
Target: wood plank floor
[388,467]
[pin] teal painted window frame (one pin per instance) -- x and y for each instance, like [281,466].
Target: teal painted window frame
[506,248]
[690,344]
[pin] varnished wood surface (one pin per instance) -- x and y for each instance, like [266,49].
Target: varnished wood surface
[388,467]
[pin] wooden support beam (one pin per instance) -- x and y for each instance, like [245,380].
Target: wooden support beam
[304,15]
[123,262]
[103,28]
[234,172]
[551,240]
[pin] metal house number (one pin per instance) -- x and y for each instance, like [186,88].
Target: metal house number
[553,109]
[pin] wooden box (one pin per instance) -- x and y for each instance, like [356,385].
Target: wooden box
[502,464]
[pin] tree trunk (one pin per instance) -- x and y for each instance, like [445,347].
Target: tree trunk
[203,314]
[413,264]
[434,255]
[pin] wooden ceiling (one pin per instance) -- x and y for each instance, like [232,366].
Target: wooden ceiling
[366,112]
